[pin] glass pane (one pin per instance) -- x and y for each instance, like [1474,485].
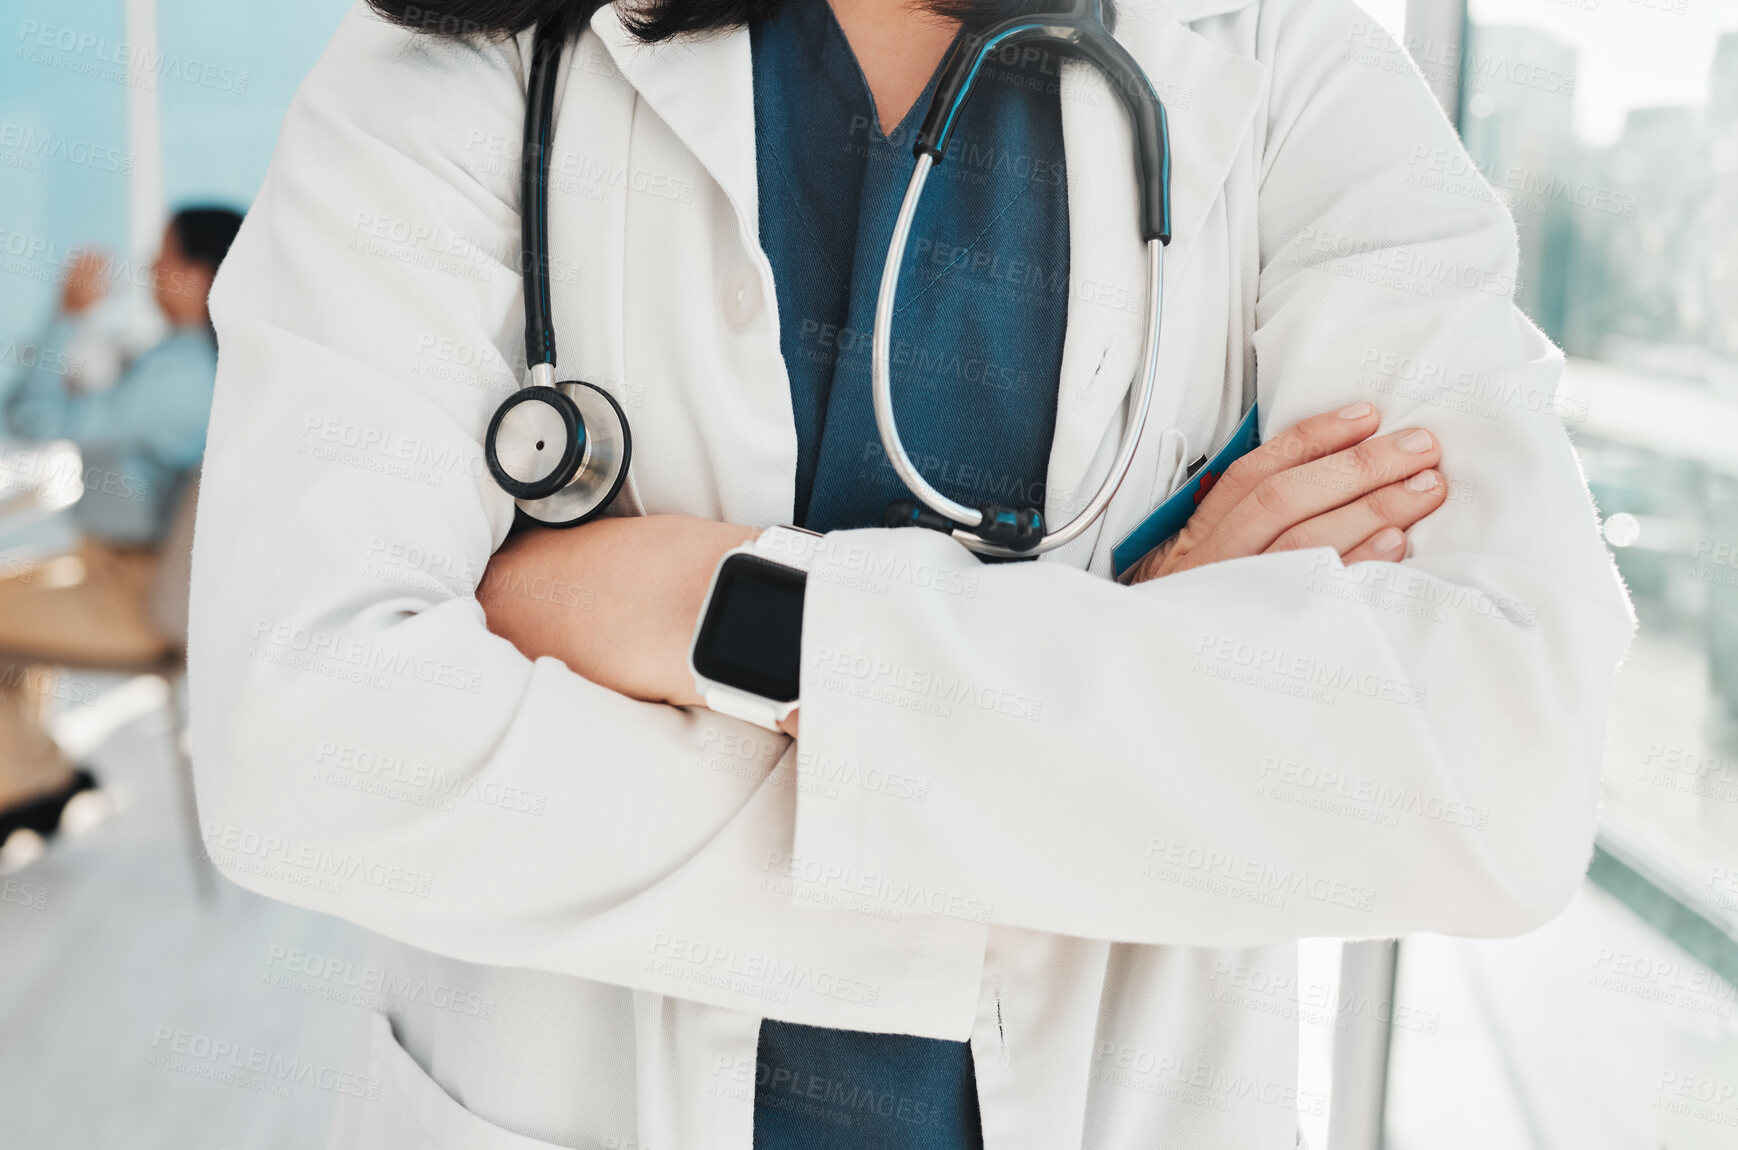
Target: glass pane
[64,154]
[1593,1033]
[1612,133]
[1610,129]
[236,66]
[113,112]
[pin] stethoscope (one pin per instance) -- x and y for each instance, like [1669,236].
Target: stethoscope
[562,449]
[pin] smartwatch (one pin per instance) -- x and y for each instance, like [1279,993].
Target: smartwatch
[747,652]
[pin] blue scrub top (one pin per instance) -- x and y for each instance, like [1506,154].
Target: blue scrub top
[983,295]
[977,351]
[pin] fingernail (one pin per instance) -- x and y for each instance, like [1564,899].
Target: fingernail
[1423,481]
[1356,411]
[1416,441]
[1389,540]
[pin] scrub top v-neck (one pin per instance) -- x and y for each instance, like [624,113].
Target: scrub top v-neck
[977,350]
[978,331]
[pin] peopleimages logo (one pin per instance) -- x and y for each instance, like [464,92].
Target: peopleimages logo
[307,864]
[222,1060]
[1375,800]
[1212,1085]
[1530,189]
[1483,392]
[387,452]
[105,58]
[1414,269]
[1698,1096]
[885,890]
[1249,879]
[36,146]
[1309,675]
[324,652]
[388,769]
[913,688]
[752,973]
[371,987]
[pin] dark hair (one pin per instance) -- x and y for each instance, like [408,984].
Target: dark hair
[655,20]
[204,234]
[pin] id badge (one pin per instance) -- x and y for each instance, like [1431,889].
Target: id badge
[1168,518]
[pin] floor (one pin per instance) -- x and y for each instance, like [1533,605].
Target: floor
[1593,1032]
[130,1010]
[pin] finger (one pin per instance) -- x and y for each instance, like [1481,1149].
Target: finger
[1297,494]
[1304,442]
[1387,545]
[1151,563]
[1396,505]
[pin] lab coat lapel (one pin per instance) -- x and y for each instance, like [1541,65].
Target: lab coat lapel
[1210,98]
[703,88]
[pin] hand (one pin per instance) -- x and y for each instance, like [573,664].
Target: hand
[1324,482]
[85,282]
[615,599]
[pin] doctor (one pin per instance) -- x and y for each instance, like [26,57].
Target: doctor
[1032,873]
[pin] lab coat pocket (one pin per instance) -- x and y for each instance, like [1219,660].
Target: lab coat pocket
[399,1107]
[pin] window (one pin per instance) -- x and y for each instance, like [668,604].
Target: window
[115,112]
[1610,128]
[65,157]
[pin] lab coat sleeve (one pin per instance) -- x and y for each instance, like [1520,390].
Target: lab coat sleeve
[363,745]
[1277,746]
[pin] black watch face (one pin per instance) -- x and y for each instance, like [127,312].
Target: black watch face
[752,635]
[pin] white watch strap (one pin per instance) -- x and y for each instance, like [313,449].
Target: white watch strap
[749,708]
[791,546]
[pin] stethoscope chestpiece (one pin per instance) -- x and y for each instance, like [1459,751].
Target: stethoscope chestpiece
[535,442]
[560,450]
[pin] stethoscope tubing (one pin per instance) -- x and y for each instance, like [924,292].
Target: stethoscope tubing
[546,49]
[1081,31]
[881,392]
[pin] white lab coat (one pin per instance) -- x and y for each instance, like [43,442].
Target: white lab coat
[1077,823]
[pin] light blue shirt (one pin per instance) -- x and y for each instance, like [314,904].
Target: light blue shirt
[138,440]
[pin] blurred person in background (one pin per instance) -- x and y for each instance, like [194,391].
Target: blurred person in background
[139,442]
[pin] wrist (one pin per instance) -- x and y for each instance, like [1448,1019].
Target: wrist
[704,552]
